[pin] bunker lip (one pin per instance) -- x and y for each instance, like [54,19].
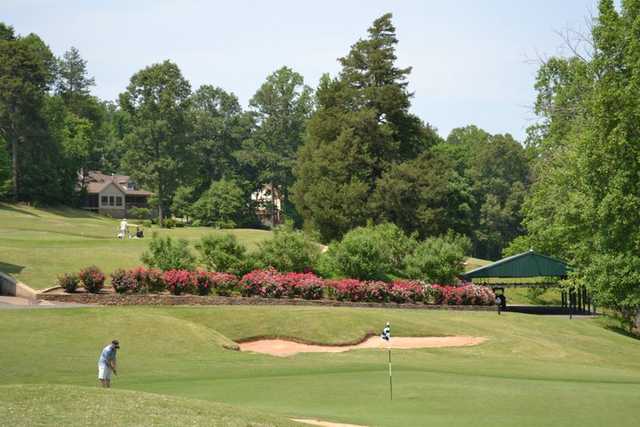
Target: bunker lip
[284,347]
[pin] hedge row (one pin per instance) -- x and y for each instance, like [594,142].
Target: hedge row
[270,283]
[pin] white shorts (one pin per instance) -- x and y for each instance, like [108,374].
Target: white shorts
[104,372]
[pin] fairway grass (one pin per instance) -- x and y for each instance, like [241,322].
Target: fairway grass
[59,405]
[531,371]
[37,245]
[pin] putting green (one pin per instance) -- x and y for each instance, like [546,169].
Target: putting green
[531,371]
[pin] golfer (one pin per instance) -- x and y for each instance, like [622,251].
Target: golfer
[107,363]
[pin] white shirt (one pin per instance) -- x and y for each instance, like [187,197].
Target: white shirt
[123,225]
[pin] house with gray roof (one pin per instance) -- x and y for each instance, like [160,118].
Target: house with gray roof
[112,195]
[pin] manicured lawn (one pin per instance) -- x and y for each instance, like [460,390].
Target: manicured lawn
[36,245]
[63,405]
[532,371]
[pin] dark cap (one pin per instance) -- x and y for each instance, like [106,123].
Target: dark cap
[116,343]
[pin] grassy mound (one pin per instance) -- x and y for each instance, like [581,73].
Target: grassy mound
[36,245]
[29,405]
[532,371]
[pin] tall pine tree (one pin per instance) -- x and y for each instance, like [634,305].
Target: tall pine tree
[362,126]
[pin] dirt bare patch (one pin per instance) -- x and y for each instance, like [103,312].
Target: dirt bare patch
[323,423]
[285,348]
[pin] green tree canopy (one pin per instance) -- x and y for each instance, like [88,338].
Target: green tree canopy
[157,100]
[361,127]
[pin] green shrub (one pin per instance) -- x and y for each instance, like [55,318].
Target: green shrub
[139,213]
[368,253]
[68,282]
[288,250]
[168,254]
[168,223]
[222,252]
[436,260]
[147,223]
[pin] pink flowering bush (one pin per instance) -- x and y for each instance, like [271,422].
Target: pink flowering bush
[467,294]
[92,279]
[271,284]
[347,290]
[179,281]
[224,283]
[123,281]
[303,285]
[376,291]
[402,291]
[203,282]
[148,280]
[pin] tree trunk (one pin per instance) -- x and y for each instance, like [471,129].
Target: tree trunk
[160,217]
[14,166]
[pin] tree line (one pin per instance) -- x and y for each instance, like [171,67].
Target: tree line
[584,202]
[344,154]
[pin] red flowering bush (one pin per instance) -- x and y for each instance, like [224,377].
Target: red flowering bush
[179,281]
[224,283]
[401,291]
[92,279]
[68,282]
[468,294]
[203,282]
[123,281]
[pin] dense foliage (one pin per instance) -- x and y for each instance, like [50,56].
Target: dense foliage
[584,203]
[166,253]
[288,250]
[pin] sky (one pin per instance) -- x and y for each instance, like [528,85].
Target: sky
[474,61]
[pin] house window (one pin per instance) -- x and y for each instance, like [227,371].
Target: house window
[118,201]
[105,200]
[111,201]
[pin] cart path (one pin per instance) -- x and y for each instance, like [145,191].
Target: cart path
[9,303]
[284,348]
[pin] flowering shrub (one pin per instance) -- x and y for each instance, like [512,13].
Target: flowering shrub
[468,294]
[303,285]
[69,282]
[347,290]
[224,283]
[401,291]
[148,280]
[271,284]
[203,282]
[92,279]
[376,291]
[123,281]
[178,281]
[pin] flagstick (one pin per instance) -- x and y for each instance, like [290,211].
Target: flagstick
[390,380]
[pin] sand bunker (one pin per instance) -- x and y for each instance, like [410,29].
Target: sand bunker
[323,423]
[284,348]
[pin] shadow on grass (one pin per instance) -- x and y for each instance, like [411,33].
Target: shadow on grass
[622,331]
[10,268]
[14,208]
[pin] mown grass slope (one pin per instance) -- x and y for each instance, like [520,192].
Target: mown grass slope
[532,371]
[36,245]
[63,405]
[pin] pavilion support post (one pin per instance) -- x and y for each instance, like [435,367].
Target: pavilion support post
[580,300]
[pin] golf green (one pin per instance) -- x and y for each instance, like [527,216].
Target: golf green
[531,371]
